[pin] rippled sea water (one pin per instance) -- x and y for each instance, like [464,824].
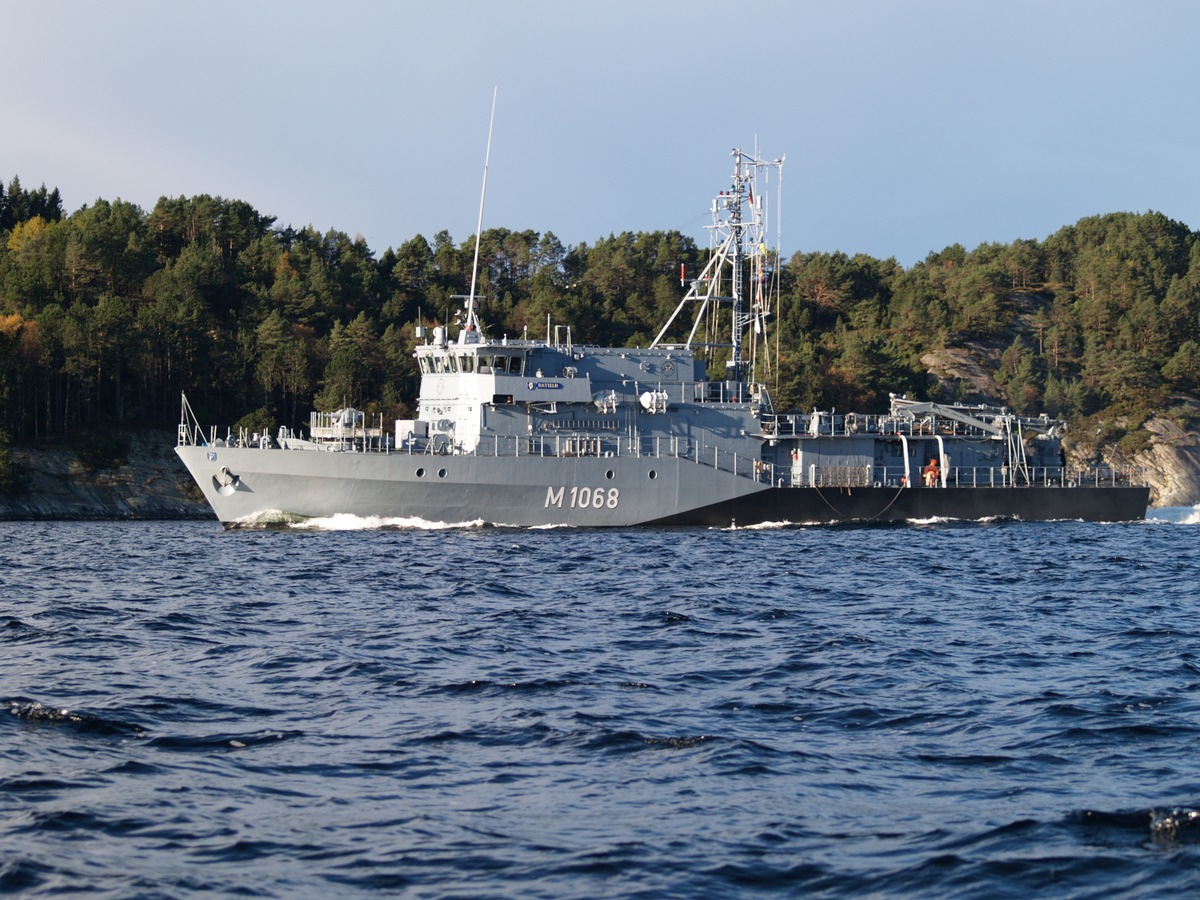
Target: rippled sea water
[947,709]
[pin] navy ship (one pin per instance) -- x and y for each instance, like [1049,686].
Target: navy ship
[540,433]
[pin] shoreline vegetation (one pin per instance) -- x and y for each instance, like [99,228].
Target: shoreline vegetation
[109,312]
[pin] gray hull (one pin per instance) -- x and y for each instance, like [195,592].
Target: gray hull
[866,504]
[241,484]
[244,484]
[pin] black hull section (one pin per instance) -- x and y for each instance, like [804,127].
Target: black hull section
[870,504]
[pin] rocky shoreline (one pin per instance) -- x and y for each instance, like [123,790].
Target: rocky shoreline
[1171,458]
[151,483]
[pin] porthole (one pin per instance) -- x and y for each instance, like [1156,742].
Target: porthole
[610,474]
[652,474]
[420,473]
[441,473]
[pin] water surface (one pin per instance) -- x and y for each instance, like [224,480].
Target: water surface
[943,709]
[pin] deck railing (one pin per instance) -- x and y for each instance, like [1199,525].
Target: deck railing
[374,440]
[746,466]
[968,477]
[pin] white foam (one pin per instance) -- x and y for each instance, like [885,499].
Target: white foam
[265,519]
[1174,515]
[349,522]
[344,522]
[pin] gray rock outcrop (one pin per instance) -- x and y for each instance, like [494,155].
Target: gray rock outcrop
[151,484]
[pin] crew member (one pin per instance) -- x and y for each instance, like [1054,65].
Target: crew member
[931,474]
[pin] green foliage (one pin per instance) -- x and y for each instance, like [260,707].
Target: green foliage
[10,480]
[1134,442]
[1021,378]
[353,365]
[1182,370]
[18,205]
[100,449]
[108,313]
[258,422]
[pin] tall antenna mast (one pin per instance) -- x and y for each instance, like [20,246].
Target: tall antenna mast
[472,323]
[740,231]
[737,256]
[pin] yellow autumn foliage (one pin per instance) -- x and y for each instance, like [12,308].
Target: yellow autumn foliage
[10,325]
[26,234]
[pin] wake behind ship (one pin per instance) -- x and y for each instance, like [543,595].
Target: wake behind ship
[548,432]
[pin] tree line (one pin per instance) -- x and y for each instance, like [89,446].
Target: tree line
[108,313]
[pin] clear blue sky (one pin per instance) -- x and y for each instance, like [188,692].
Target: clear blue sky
[907,126]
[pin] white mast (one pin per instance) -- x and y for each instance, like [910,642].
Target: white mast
[740,227]
[472,322]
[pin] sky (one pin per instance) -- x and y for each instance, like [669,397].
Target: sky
[906,126]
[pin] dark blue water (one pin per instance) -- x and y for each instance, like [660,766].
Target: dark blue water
[938,710]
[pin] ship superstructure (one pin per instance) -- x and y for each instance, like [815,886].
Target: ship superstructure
[549,432]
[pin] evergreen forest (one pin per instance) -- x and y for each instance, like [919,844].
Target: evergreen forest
[109,312]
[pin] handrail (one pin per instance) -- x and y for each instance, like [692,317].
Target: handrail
[574,445]
[970,477]
[190,433]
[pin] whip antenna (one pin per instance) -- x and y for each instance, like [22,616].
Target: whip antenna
[472,321]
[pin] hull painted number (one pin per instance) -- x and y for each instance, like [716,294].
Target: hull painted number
[583,498]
